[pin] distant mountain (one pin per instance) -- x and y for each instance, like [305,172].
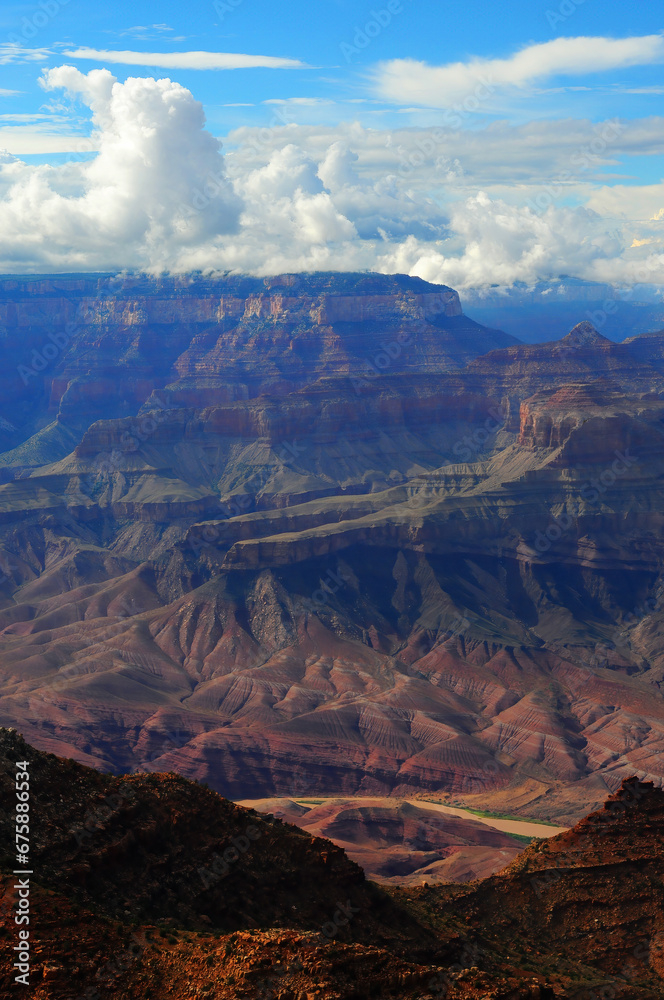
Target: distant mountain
[539,312]
[96,346]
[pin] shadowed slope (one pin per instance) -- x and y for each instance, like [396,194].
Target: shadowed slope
[124,869]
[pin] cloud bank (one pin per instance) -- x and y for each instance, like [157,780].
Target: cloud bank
[162,194]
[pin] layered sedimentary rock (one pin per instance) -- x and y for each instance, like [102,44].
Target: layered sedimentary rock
[102,344]
[382,581]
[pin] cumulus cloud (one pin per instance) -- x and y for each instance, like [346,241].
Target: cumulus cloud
[444,159]
[497,243]
[155,191]
[95,88]
[185,60]
[379,209]
[286,201]
[134,199]
[408,81]
[622,201]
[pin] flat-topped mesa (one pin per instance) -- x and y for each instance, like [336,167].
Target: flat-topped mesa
[328,308]
[327,298]
[98,300]
[239,336]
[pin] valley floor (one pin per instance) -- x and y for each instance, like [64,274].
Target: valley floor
[408,841]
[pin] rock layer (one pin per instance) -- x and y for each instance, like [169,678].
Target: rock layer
[444,577]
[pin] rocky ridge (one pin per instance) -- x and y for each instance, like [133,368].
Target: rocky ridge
[578,914]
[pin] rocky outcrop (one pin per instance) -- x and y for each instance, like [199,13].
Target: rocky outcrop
[593,891]
[151,884]
[590,421]
[549,417]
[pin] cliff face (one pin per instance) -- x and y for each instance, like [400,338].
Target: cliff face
[594,415]
[392,572]
[124,309]
[68,342]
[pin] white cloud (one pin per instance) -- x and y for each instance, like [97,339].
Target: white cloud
[446,163]
[22,141]
[656,91]
[135,198]
[498,243]
[185,60]
[408,81]
[147,33]
[449,205]
[141,29]
[622,201]
[12,52]
[286,201]
[304,102]
[379,208]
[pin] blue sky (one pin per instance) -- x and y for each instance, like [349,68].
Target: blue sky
[322,36]
[329,109]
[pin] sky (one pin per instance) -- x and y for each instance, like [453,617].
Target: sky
[468,143]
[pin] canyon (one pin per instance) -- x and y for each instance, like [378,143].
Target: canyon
[151,885]
[410,841]
[325,535]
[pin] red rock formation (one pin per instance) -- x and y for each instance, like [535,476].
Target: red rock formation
[402,843]
[377,591]
[150,884]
